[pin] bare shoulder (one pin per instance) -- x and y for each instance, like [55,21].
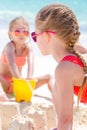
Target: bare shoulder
[63,73]
[29,47]
[68,67]
[69,72]
[9,46]
[9,49]
[64,68]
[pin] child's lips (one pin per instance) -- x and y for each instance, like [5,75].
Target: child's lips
[21,38]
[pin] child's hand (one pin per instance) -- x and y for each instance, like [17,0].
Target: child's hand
[3,96]
[5,85]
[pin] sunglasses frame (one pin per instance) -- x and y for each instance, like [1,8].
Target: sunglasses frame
[34,35]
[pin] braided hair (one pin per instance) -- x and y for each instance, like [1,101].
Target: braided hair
[61,19]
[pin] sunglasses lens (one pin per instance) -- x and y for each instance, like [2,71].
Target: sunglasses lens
[26,33]
[33,35]
[18,32]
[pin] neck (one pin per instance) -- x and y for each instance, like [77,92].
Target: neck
[59,52]
[59,56]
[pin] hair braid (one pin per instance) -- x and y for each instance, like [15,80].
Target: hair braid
[72,50]
[75,35]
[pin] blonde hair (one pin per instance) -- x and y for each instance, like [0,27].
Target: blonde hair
[18,20]
[61,19]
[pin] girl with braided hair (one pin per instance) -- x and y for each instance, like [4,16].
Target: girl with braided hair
[56,33]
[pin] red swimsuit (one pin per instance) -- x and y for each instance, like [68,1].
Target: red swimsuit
[76,60]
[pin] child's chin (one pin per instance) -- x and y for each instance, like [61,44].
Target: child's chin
[45,53]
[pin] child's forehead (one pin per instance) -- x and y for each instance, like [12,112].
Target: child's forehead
[19,26]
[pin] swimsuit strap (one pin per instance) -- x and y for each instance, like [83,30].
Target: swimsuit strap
[73,59]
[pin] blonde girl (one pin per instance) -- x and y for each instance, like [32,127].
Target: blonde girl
[16,53]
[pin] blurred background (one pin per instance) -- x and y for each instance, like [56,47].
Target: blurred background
[10,9]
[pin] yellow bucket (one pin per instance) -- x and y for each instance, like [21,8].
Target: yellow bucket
[23,89]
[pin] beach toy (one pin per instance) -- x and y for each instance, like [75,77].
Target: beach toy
[23,89]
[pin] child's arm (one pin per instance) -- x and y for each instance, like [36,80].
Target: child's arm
[42,80]
[45,79]
[10,56]
[80,49]
[30,62]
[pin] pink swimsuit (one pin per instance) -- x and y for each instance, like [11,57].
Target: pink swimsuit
[76,60]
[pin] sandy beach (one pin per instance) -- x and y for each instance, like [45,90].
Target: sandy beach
[42,99]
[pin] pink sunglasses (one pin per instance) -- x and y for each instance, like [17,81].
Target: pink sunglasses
[18,32]
[34,35]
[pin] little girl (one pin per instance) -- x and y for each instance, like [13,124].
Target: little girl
[16,53]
